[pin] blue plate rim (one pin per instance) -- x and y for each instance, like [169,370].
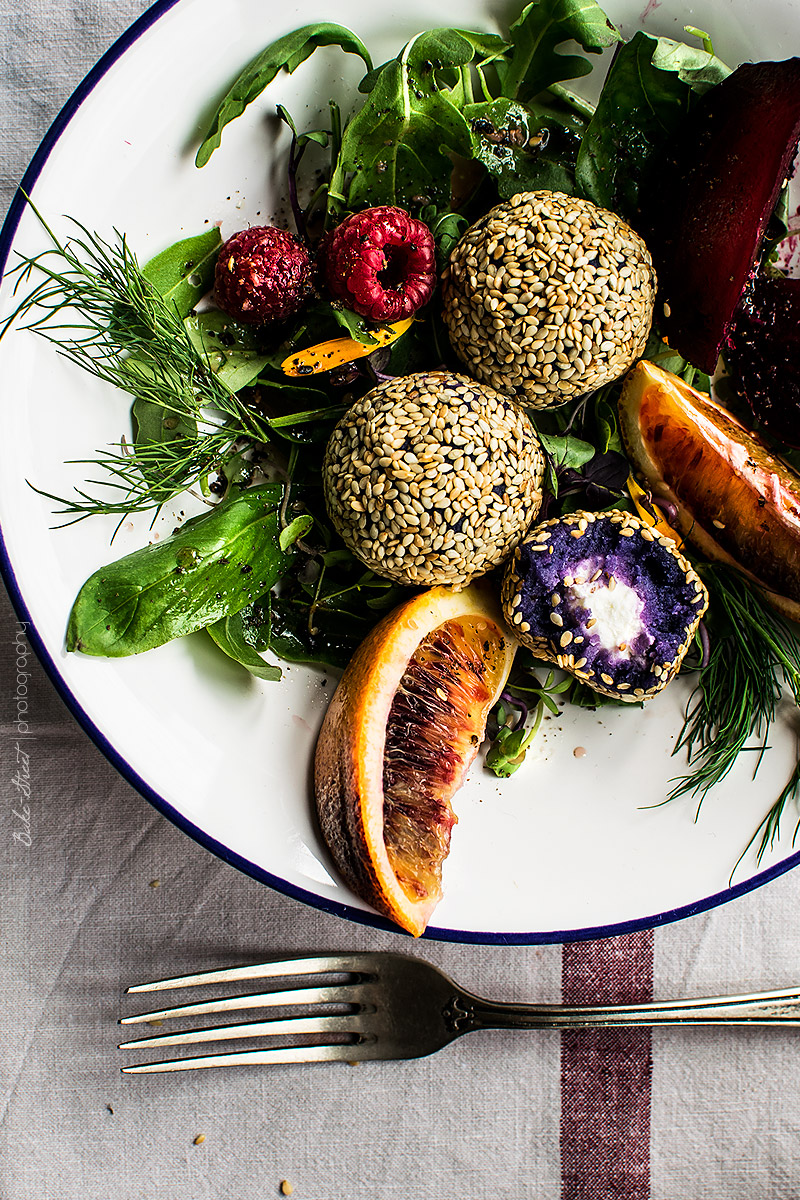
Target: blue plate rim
[282,886]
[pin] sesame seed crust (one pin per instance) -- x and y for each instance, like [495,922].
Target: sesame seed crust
[433,478]
[547,297]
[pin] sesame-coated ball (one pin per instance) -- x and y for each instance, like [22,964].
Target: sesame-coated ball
[433,478]
[547,297]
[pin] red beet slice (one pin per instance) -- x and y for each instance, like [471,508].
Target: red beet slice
[710,206]
[763,354]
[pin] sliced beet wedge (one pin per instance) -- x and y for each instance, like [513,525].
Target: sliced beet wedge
[710,206]
[763,354]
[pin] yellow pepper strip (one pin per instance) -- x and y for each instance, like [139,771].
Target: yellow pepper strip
[335,353]
[650,513]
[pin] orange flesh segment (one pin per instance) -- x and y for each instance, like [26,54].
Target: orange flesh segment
[326,356]
[724,478]
[435,725]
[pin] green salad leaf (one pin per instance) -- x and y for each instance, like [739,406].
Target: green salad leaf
[184,272]
[229,350]
[230,634]
[211,568]
[158,428]
[535,62]
[525,148]
[396,149]
[285,54]
[566,450]
[646,95]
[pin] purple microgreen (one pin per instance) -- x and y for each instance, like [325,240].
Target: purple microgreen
[669,509]
[705,645]
[515,702]
[295,156]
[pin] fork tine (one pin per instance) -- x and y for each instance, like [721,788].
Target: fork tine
[339,1052]
[320,964]
[275,1028]
[341,994]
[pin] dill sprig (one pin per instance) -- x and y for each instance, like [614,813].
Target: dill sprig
[770,827]
[93,302]
[753,653]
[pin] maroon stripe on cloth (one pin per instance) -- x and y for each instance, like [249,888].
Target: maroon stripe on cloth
[606,1073]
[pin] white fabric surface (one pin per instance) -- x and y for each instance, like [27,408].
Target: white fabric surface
[81,920]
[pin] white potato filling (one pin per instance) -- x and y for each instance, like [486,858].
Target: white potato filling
[617,612]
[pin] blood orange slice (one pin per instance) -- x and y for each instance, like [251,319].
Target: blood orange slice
[402,729]
[736,502]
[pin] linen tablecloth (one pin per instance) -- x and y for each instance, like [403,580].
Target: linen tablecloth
[99,890]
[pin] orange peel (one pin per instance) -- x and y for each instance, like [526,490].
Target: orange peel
[737,503]
[387,766]
[650,513]
[336,352]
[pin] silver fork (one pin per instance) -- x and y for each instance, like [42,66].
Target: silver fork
[391,1006]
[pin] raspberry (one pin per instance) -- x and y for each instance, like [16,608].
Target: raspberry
[263,274]
[381,263]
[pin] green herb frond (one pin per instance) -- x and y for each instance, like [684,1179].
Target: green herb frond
[770,827]
[90,298]
[141,478]
[753,653]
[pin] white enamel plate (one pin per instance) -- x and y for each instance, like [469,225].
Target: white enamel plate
[577,842]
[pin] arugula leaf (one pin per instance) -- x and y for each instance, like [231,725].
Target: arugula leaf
[534,63]
[699,69]
[488,45]
[447,229]
[229,350]
[607,434]
[320,137]
[397,146]
[648,91]
[208,570]
[287,53]
[664,356]
[229,635]
[321,321]
[563,452]
[184,272]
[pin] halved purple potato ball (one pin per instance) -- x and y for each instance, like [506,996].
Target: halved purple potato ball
[607,598]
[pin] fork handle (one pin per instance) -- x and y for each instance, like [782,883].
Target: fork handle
[467,1012]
